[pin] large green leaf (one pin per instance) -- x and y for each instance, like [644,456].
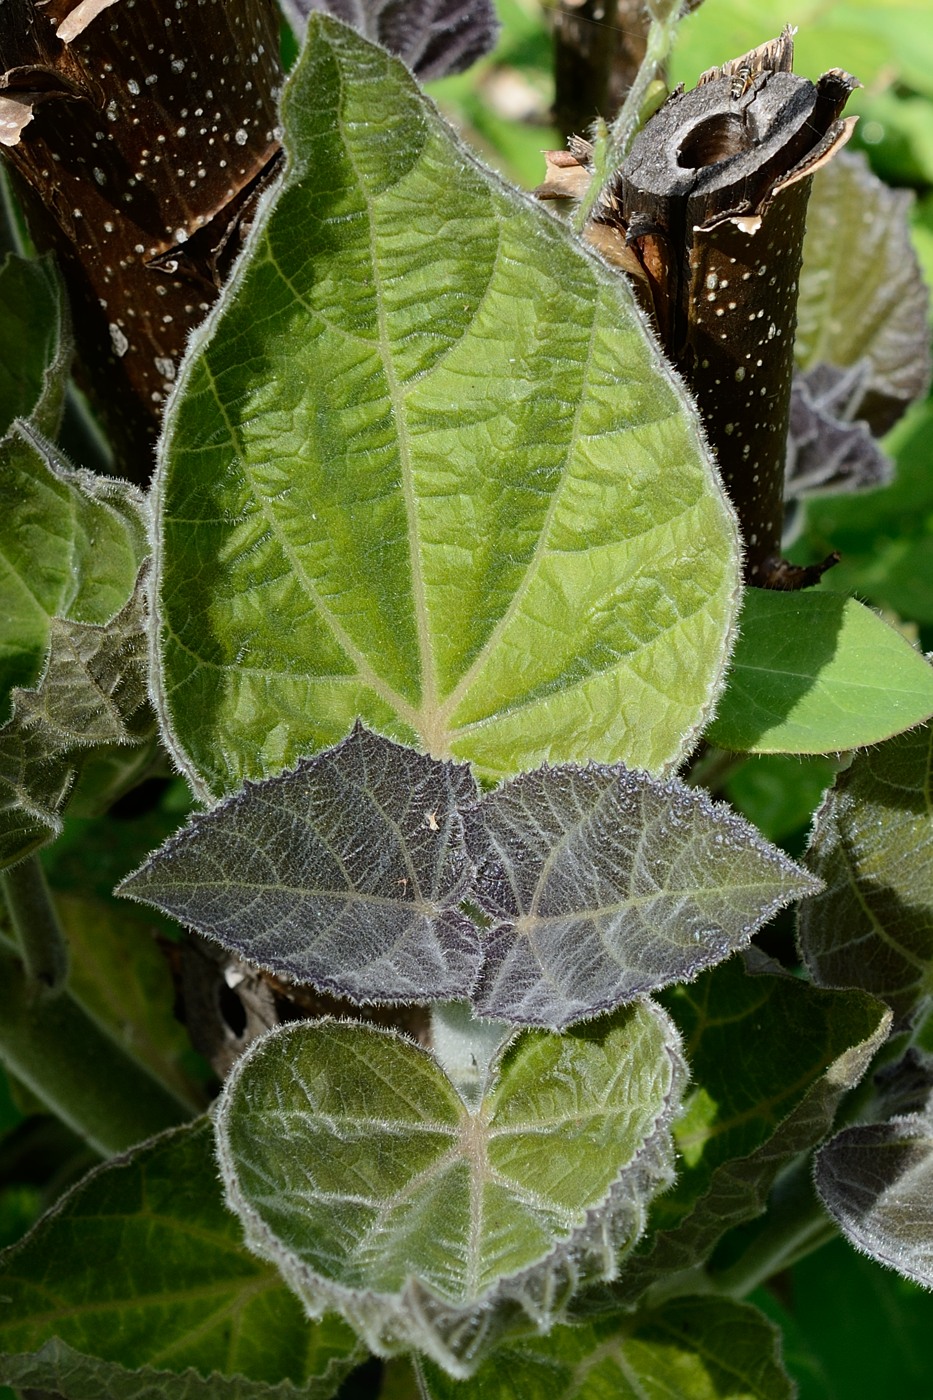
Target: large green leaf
[424,466]
[35,343]
[356,1166]
[137,1284]
[691,1349]
[872,843]
[770,1057]
[816,673]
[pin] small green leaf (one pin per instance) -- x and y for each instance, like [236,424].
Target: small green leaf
[770,1057]
[91,700]
[815,672]
[71,544]
[604,884]
[876,1180]
[357,1167]
[872,843]
[35,343]
[136,1285]
[862,296]
[347,872]
[425,467]
[691,1349]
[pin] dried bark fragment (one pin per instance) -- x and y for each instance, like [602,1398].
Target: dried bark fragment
[138,135]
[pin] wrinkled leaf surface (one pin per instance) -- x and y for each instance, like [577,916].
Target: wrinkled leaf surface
[356,1166]
[424,467]
[434,37]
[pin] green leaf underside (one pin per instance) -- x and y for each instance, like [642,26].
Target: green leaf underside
[346,872]
[90,703]
[815,672]
[770,1056]
[691,1348]
[424,467]
[34,344]
[872,843]
[70,547]
[862,296]
[356,1166]
[876,1180]
[605,884]
[349,872]
[137,1284]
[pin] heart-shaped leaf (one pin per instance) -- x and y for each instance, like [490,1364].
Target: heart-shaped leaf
[426,467]
[876,1180]
[137,1285]
[605,884]
[691,1348]
[356,1166]
[872,843]
[817,672]
[346,872]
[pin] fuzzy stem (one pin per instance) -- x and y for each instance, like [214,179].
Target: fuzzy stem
[70,1062]
[611,152]
[35,923]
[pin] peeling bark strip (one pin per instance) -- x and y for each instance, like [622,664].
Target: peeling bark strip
[138,134]
[708,213]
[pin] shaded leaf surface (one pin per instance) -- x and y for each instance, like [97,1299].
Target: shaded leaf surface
[692,1348]
[137,1284]
[357,1167]
[91,701]
[872,843]
[828,447]
[35,343]
[346,872]
[428,471]
[770,1057]
[434,37]
[605,884]
[71,544]
[876,1180]
[862,295]
[815,672]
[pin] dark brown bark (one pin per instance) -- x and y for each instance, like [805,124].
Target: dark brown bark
[138,136]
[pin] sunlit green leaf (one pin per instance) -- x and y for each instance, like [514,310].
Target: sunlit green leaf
[425,467]
[604,884]
[357,1167]
[137,1285]
[872,843]
[815,672]
[691,1349]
